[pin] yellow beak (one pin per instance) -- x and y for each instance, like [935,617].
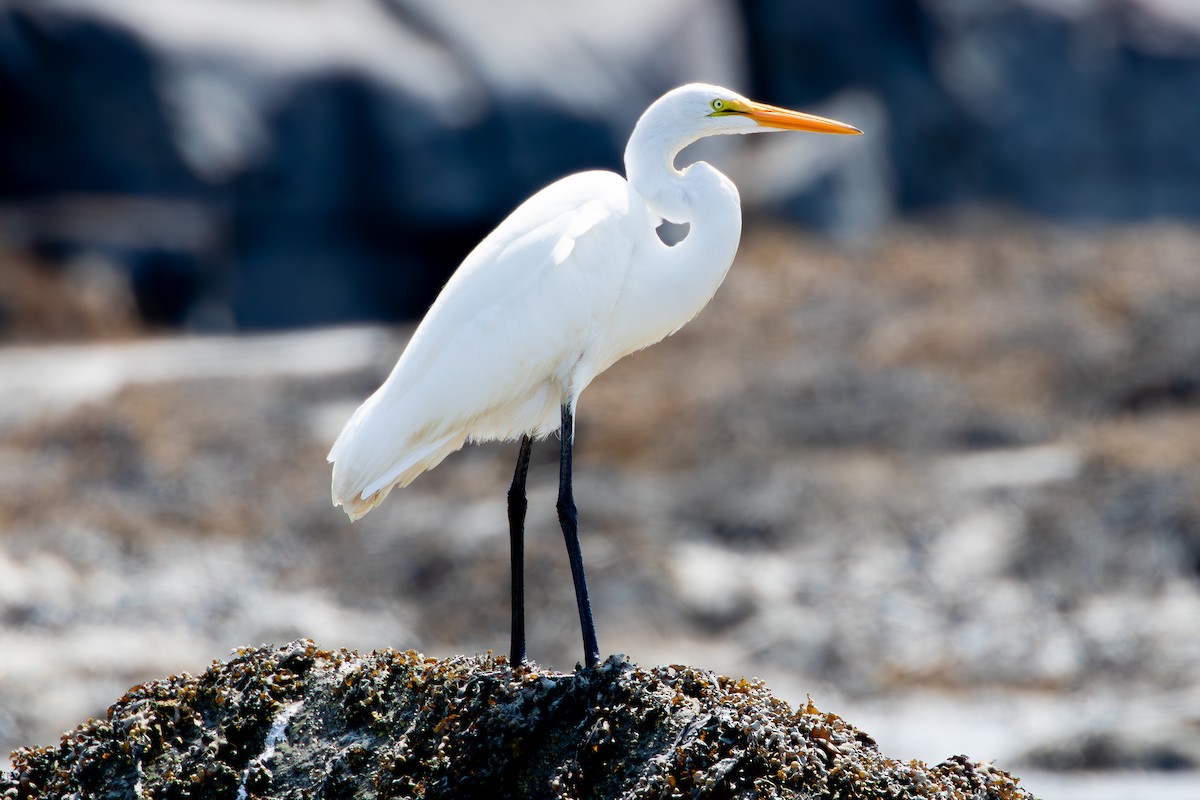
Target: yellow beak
[775,117]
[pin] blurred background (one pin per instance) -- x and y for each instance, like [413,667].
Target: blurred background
[932,454]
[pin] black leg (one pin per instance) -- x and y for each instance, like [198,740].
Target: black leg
[516,534]
[569,520]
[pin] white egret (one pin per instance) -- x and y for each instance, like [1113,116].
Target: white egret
[569,283]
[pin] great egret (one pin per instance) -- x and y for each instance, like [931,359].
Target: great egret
[569,283]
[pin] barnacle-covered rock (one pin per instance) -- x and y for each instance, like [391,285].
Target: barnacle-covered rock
[301,722]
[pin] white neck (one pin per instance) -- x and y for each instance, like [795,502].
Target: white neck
[676,282]
[669,193]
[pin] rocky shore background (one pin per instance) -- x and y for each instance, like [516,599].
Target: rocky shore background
[932,455]
[295,722]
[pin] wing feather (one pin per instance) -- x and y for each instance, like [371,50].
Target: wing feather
[495,353]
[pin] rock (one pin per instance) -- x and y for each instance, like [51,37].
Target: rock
[1059,108]
[297,721]
[1160,749]
[351,153]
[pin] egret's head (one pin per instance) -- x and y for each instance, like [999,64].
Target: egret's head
[702,109]
[683,115]
[740,111]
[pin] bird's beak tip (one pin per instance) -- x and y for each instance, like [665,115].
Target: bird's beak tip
[786,119]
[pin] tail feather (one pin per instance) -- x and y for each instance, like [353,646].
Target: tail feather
[357,507]
[357,492]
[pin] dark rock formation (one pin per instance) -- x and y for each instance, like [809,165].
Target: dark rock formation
[1063,109]
[299,722]
[330,187]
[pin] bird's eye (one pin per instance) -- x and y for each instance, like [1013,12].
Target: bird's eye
[717,105]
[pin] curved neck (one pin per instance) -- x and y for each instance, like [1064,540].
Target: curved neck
[675,281]
[650,169]
[698,195]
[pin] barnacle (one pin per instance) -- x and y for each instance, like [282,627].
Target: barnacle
[302,721]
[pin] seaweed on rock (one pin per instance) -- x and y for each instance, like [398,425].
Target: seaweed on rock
[301,722]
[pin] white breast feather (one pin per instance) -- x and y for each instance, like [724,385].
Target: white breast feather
[493,356]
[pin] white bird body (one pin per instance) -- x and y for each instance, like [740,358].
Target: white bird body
[518,327]
[573,280]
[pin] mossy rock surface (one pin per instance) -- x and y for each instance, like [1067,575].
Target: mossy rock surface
[301,722]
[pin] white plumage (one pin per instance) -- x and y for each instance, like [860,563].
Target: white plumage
[508,335]
[571,281]
[574,279]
